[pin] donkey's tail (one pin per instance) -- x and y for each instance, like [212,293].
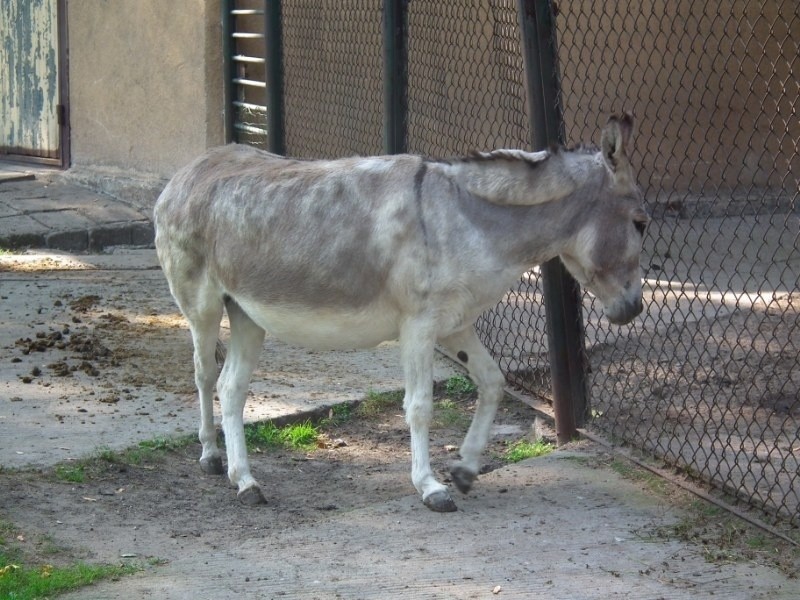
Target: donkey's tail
[219,353]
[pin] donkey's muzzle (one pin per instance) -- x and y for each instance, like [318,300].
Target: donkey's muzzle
[624,312]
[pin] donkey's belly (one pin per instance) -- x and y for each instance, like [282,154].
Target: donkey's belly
[324,329]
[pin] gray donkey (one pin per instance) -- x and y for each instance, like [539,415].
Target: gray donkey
[349,253]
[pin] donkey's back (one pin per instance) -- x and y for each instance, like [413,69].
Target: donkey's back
[316,252]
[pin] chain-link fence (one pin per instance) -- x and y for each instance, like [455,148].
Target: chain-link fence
[709,377]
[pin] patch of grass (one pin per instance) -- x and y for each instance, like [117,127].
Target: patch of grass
[85,469]
[459,385]
[447,413]
[300,436]
[145,451]
[522,449]
[720,535]
[630,471]
[161,444]
[377,403]
[22,582]
[757,542]
[6,529]
[25,577]
[338,414]
[259,436]
[73,473]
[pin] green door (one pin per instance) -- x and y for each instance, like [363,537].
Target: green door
[29,82]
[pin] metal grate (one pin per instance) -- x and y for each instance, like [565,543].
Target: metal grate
[246,78]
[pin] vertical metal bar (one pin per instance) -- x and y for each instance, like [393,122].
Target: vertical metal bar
[395,79]
[561,292]
[273,40]
[228,48]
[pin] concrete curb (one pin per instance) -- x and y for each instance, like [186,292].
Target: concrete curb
[93,239]
[51,211]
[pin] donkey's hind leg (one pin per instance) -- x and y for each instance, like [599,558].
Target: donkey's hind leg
[234,381]
[204,318]
[484,371]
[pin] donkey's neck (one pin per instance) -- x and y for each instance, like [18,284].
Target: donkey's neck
[519,178]
[558,197]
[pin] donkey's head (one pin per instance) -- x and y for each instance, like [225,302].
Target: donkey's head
[604,254]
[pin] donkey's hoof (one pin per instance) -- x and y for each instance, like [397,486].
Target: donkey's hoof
[211,466]
[463,478]
[251,496]
[440,502]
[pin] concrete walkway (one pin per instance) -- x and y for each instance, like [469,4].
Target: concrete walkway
[554,527]
[39,208]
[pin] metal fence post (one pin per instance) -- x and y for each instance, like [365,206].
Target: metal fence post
[395,77]
[273,54]
[227,69]
[561,292]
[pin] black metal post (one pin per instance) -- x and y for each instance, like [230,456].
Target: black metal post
[395,79]
[561,292]
[227,69]
[273,52]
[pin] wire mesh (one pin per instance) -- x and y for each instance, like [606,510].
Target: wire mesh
[333,78]
[709,377]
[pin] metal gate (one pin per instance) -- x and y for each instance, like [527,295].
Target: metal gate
[31,113]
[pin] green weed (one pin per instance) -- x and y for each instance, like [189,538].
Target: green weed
[73,473]
[630,471]
[377,403]
[522,449]
[22,582]
[300,436]
[447,413]
[459,385]
[338,414]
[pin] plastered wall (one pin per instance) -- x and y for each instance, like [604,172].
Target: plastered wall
[145,82]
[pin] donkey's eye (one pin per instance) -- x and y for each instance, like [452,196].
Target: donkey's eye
[640,226]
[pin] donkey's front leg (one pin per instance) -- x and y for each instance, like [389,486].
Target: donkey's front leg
[487,376]
[417,342]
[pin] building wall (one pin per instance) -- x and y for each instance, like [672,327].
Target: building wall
[145,81]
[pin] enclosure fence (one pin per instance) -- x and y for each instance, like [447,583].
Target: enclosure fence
[708,378]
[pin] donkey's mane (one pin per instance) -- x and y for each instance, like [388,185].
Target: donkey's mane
[584,149]
[533,159]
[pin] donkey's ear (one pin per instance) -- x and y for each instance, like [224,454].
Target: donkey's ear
[616,139]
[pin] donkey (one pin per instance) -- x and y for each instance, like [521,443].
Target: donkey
[348,253]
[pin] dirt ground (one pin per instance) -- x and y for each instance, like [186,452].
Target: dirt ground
[93,353]
[160,509]
[728,409]
[108,365]
[360,461]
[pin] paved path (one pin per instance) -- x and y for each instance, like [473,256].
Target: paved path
[40,209]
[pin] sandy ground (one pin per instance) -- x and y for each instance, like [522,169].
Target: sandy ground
[95,354]
[342,522]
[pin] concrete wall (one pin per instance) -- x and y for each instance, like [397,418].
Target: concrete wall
[145,81]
